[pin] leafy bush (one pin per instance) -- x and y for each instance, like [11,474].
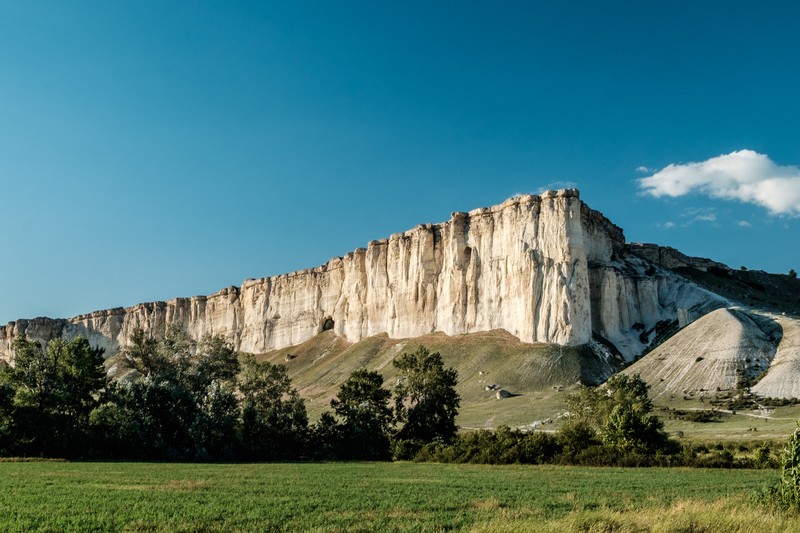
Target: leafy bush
[702,416]
[778,402]
[762,457]
[502,446]
[406,449]
[619,413]
[786,492]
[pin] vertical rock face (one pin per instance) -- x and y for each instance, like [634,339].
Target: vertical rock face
[630,296]
[545,268]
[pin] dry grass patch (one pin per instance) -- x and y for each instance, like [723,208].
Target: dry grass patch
[729,515]
[488,504]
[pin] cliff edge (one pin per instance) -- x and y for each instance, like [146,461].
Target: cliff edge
[546,268]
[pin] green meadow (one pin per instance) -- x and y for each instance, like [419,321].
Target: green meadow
[61,496]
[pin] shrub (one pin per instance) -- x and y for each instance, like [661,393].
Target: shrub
[502,446]
[762,457]
[619,412]
[786,492]
[405,449]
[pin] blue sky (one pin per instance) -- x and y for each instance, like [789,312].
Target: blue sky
[154,149]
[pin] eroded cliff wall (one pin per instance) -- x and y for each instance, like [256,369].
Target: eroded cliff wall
[521,266]
[544,268]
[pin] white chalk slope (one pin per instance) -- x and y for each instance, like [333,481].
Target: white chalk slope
[722,350]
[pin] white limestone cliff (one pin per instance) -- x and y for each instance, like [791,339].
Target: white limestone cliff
[632,295]
[544,268]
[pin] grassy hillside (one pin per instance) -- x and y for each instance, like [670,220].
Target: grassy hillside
[537,374]
[696,421]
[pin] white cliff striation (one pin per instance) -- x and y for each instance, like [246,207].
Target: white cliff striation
[544,268]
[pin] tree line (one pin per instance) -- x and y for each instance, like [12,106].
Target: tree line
[206,402]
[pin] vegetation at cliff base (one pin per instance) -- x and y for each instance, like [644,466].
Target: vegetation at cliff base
[204,401]
[361,423]
[47,396]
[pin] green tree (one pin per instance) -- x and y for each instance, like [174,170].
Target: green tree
[177,351]
[212,379]
[81,373]
[792,273]
[426,401]
[174,358]
[632,432]
[55,389]
[216,424]
[121,427]
[154,415]
[184,404]
[143,355]
[273,419]
[6,414]
[168,358]
[216,360]
[363,405]
[325,439]
[619,412]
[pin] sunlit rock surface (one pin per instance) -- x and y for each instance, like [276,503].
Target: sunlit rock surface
[717,352]
[544,268]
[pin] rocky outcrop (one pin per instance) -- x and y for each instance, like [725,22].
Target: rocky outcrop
[544,268]
[670,258]
[41,329]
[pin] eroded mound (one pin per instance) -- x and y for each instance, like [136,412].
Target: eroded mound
[781,381]
[720,352]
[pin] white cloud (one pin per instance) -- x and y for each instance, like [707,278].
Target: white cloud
[703,214]
[644,170]
[667,225]
[744,224]
[745,175]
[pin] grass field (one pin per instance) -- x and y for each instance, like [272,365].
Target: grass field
[745,425]
[378,497]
